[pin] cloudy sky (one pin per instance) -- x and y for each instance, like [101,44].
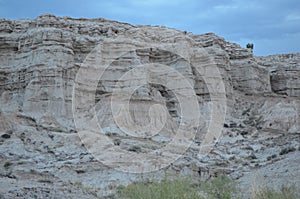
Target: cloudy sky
[272,25]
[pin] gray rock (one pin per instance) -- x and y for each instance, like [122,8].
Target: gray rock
[43,153]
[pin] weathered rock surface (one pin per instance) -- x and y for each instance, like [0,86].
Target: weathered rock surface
[39,65]
[284,73]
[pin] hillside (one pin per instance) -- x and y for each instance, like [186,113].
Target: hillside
[90,104]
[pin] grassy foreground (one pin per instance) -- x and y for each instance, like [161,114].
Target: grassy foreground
[217,188]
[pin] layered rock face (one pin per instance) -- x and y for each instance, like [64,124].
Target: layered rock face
[284,73]
[66,82]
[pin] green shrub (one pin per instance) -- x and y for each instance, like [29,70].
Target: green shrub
[250,45]
[7,164]
[81,186]
[284,193]
[45,181]
[271,157]
[135,148]
[218,188]
[166,189]
[287,150]
[108,133]
[117,142]
[221,187]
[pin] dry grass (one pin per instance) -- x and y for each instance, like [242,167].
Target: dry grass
[290,192]
[218,188]
[221,187]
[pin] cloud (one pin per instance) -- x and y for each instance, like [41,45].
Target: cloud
[293,17]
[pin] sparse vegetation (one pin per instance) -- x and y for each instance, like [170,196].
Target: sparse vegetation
[135,148]
[271,157]
[250,46]
[50,151]
[166,189]
[220,187]
[90,190]
[290,192]
[7,164]
[109,134]
[287,150]
[117,142]
[45,181]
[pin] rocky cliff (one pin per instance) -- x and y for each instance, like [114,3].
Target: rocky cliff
[89,104]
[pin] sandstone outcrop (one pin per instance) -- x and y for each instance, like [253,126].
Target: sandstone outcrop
[284,73]
[52,95]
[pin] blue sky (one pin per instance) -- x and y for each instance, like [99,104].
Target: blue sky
[272,25]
